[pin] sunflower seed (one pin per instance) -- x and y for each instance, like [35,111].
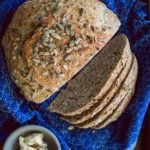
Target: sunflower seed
[52,46]
[63,34]
[51,31]
[44,63]
[68,58]
[44,43]
[60,26]
[44,53]
[37,61]
[38,45]
[69,50]
[65,66]
[45,74]
[40,29]
[16,47]
[93,29]
[51,39]
[68,29]
[86,25]
[55,35]
[78,40]
[81,11]
[54,52]
[72,33]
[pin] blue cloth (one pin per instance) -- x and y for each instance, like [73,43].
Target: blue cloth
[120,135]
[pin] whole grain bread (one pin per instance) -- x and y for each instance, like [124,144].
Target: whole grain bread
[95,80]
[48,42]
[92,111]
[121,108]
[127,87]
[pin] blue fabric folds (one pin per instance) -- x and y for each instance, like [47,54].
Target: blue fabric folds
[120,135]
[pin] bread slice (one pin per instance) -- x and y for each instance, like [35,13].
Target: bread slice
[121,108]
[53,41]
[92,111]
[95,80]
[126,88]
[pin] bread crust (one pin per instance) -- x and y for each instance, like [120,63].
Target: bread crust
[47,43]
[92,111]
[121,108]
[124,93]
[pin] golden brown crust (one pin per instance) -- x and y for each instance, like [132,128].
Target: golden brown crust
[48,42]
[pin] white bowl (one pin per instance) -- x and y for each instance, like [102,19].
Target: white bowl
[13,144]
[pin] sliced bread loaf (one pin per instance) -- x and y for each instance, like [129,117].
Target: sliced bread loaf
[121,108]
[126,88]
[92,111]
[94,81]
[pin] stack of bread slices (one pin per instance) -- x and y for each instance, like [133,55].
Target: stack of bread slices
[100,93]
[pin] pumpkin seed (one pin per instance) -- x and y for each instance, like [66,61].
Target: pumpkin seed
[68,29]
[60,26]
[55,35]
[46,34]
[51,31]
[52,46]
[71,43]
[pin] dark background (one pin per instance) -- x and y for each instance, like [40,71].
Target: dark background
[144,138]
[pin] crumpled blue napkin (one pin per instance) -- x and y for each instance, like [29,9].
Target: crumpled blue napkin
[120,135]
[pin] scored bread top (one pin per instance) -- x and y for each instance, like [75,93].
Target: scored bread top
[48,42]
[93,82]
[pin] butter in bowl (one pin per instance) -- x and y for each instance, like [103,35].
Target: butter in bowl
[32,137]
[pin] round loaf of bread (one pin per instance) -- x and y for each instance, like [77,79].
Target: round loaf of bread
[49,41]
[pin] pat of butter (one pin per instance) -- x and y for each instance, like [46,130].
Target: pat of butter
[33,142]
